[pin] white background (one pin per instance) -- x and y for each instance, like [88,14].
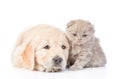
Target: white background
[16,15]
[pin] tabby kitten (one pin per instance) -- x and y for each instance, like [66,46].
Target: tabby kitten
[85,48]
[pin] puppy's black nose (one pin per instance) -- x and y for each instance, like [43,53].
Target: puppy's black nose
[57,60]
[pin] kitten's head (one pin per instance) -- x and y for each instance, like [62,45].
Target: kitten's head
[79,31]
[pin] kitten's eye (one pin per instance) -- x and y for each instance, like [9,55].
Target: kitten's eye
[85,35]
[47,47]
[63,47]
[74,34]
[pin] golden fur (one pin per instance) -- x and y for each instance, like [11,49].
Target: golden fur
[85,49]
[31,49]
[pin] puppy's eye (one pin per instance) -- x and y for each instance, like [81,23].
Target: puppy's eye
[63,47]
[47,47]
[85,35]
[74,34]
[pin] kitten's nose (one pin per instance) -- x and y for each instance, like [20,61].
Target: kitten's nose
[79,39]
[57,60]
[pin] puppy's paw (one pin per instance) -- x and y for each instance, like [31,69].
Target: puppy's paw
[74,68]
[53,70]
[40,68]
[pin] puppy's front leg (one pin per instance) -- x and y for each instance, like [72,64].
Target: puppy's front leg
[82,59]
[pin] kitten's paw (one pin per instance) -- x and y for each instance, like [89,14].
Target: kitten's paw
[74,68]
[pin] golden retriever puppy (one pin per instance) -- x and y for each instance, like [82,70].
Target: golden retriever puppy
[44,48]
[85,48]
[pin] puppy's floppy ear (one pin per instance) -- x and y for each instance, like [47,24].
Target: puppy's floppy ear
[70,23]
[28,57]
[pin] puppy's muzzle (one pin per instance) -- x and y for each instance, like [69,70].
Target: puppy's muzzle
[57,60]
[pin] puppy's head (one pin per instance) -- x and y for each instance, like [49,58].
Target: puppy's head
[49,51]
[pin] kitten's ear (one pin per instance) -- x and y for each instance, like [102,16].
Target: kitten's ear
[70,23]
[91,27]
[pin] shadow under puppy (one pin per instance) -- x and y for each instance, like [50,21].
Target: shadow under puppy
[43,47]
[85,48]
